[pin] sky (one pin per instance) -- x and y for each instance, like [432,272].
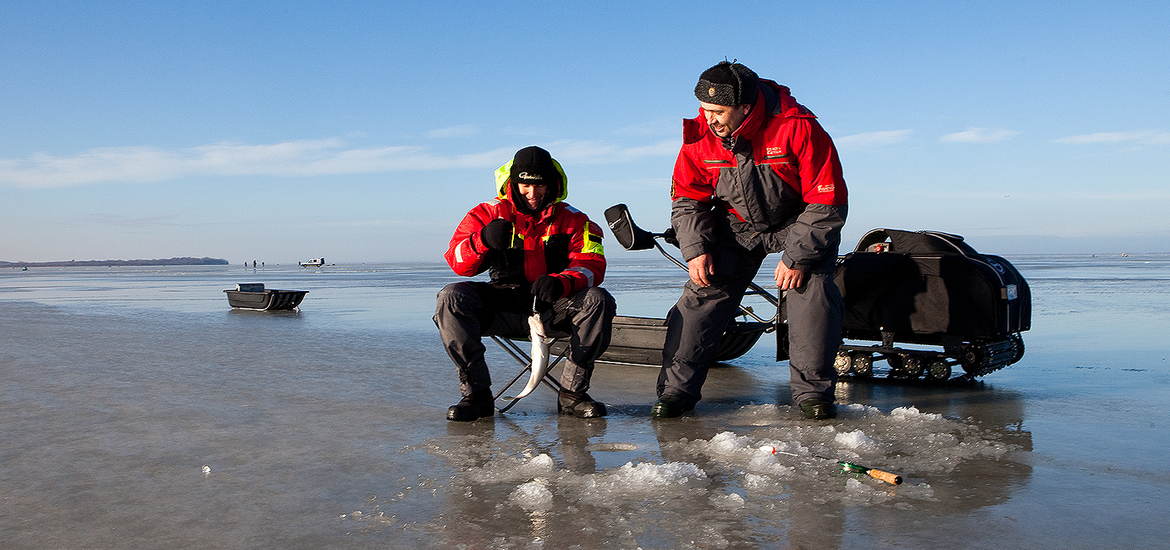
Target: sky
[364,131]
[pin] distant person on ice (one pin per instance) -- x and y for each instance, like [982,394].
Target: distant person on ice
[537,248]
[756,174]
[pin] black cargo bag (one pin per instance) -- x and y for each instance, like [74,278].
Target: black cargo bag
[929,287]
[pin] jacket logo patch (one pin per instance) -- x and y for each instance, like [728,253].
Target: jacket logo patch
[827,188]
[774,151]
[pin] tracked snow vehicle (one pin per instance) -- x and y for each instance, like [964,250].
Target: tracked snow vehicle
[932,290]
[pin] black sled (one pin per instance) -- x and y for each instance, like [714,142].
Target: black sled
[254,296]
[932,290]
[639,340]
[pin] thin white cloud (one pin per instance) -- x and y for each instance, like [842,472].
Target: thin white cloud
[363,223]
[464,130]
[593,152]
[662,127]
[628,183]
[286,159]
[522,131]
[103,218]
[979,135]
[1137,137]
[874,139]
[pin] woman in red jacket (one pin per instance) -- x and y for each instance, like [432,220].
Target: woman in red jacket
[540,251]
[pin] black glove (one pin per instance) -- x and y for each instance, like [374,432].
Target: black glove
[548,288]
[497,235]
[670,237]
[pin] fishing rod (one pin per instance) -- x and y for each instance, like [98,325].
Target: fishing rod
[849,467]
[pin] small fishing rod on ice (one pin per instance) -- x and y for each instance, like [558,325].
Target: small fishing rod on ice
[849,467]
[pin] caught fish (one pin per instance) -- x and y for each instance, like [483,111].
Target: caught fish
[540,344]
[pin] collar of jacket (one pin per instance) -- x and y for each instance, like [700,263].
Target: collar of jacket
[772,99]
[514,214]
[754,121]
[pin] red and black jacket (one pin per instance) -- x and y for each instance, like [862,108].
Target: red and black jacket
[558,240]
[777,180]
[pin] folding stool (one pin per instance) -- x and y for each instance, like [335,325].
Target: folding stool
[510,346]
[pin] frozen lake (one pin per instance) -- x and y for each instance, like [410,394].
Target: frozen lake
[325,428]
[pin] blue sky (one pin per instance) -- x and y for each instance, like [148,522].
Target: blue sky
[363,131]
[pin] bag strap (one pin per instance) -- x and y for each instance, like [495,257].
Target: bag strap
[917,242]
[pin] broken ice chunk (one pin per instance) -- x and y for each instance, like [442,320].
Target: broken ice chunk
[855,440]
[533,496]
[730,501]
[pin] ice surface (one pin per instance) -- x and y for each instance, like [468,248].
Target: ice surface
[905,439]
[757,415]
[291,451]
[616,447]
[759,457]
[912,414]
[641,479]
[859,493]
[760,481]
[533,496]
[506,469]
[742,452]
[857,410]
[856,441]
[770,463]
[730,501]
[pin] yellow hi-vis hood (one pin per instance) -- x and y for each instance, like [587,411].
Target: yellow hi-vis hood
[502,187]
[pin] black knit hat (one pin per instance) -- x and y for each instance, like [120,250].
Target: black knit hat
[533,165]
[727,83]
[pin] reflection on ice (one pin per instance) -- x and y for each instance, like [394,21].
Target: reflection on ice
[611,447]
[781,474]
[505,469]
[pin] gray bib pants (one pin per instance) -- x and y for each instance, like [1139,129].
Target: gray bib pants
[696,324]
[467,310]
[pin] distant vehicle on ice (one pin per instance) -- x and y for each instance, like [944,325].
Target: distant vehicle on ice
[313,262]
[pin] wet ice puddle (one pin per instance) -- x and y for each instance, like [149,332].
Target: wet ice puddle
[757,469]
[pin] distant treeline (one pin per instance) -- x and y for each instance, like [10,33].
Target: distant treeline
[91,263]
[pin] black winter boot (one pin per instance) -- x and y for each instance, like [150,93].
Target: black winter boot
[472,407]
[670,406]
[815,409]
[579,404]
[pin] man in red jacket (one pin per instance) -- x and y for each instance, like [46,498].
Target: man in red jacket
[542,254]
[756,175]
